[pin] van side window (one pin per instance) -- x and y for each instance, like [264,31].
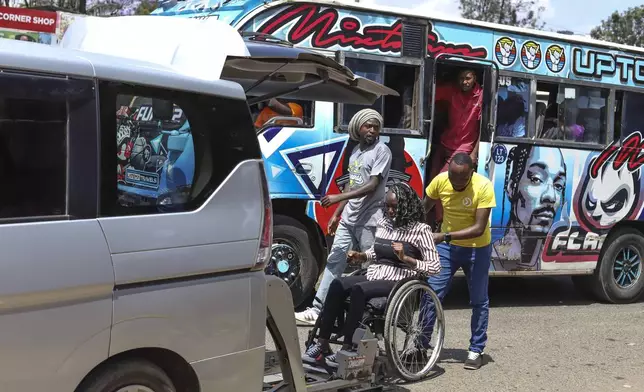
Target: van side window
[572,113]
[167,151]
[33,144]
[513,105]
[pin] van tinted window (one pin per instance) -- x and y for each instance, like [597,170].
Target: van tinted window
[33,143]
[171,149]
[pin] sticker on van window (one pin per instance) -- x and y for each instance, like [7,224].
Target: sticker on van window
[155,153]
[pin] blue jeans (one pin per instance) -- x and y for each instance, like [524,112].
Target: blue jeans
[347,237]
[475,263]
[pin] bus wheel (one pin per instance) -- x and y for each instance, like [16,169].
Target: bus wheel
[129,376]
[619,276]
[292,259]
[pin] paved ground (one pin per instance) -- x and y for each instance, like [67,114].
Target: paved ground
[543,336]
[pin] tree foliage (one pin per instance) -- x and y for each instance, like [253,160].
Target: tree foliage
[522,13]
[622,28]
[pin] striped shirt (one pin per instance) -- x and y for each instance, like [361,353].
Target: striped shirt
[419,235]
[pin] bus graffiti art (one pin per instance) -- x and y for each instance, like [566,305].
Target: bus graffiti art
[559,134]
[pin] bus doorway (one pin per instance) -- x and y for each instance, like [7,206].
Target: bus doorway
[463,116]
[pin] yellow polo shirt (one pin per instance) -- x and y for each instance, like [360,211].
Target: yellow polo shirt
[459,208]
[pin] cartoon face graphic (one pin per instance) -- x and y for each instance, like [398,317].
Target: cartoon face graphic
[609,198]
[505,51]
[555,58]
[531,54]
[538,193]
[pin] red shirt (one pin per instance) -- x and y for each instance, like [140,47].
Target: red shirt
[462,131]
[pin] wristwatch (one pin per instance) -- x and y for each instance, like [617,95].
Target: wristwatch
[447,237]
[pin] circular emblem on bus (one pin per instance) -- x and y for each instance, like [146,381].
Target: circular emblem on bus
[499,154]
[505,51]
[531,55]
[555,58]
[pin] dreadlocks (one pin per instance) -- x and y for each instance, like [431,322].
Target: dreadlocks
[409,209]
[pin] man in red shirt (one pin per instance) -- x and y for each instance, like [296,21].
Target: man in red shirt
[464,101]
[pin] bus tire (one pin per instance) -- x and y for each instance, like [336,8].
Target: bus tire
[292,258]
[618,278]
[130,373]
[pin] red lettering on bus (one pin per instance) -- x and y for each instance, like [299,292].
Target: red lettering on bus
[630,153]
[315,23]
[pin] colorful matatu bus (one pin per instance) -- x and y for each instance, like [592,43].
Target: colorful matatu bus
[560,135]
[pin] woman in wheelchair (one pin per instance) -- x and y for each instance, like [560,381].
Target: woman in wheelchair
[403,245]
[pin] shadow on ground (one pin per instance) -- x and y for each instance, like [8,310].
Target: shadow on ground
[515,291]
[523,291]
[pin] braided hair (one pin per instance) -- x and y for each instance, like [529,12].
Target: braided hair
[409,209]
[514,169]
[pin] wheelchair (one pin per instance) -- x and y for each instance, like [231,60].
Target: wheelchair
[398,323]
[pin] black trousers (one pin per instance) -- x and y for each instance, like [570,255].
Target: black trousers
[360,290]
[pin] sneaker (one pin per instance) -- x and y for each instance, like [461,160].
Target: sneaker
[332,360]
[309,316]
[315,353]
[473,361]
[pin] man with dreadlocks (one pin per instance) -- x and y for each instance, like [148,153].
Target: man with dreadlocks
[403,245]
[359,207]
[535,182]
[467,198]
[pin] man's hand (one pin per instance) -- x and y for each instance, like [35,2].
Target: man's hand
[398,250]
[354,257]
[438,237]
[329,200]
[333,225]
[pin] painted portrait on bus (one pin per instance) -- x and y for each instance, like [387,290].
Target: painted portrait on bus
[534,185]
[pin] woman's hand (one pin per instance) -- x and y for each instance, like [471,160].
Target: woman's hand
[354,257]
[398,250]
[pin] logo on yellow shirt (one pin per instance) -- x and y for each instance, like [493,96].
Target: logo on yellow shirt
[467,202]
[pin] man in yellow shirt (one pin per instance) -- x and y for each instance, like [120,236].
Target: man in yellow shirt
[465,242]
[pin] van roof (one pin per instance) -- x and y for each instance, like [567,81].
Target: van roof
[77,61]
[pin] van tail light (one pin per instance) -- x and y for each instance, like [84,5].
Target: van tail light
[266,235]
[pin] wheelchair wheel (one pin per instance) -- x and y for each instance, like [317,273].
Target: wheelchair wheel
[408,333]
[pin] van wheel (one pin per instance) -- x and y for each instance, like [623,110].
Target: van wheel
[292,259]
[618,278]
[128,376]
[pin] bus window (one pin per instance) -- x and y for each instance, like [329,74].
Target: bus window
[512,108]
[632,118]
[571,113]
[398,112]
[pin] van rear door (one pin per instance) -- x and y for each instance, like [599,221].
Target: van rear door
[281,70]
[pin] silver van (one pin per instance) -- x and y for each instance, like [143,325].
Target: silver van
[135,221]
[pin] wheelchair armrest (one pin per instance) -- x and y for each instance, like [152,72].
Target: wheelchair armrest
[358,272]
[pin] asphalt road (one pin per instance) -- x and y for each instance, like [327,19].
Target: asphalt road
[543,336]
